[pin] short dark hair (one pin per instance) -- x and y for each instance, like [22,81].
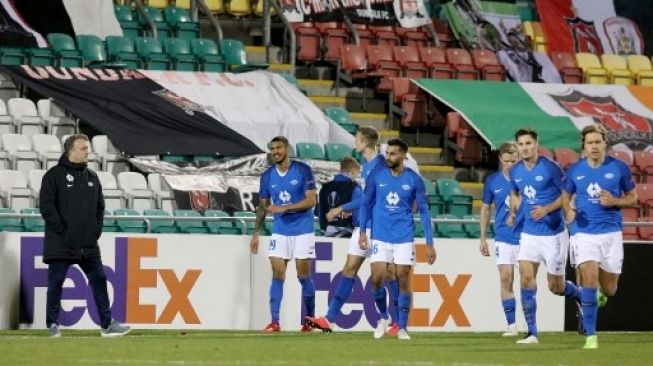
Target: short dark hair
[526,131]
[281,139]
[594,128]
[70,142]
[399,142]
[348,163]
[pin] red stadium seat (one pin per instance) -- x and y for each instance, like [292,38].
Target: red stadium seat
[645,232]
[565,157]
[413,37]
[463,139]
[488,65]
[643,160]
[645,198]
[445,36]
[333,37]
[566,65]
[627,158]
[365,36]
[385,35]
[408,59]
[381,62]
[409,102]
[630,232]
[436,60]
[541,150]
[308,42]
[461,61]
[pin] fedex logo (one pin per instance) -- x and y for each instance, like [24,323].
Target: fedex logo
[127,277]
[448,290]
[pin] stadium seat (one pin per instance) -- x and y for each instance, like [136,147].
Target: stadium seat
[249,225]
[541,150]
[191,227]
[10,224]
[471,145]
[215,6]
[645,199]
[236,57]
[48,148]
[20,153]
[150,50]
[436,60]
[179,20]
[137,193]
[408,103]
[308,42]
[161,226]
[593,71]
[413,37]
[12,56]
[160,4]
[64,49]
[449,230]
[238,8]
[208,55]
[534,31]
[114,197]
[644,162]
[162,193]
[352,67]
[385,35]
[630,215]
[566,65]
[365,36]
[309,150]
[617,69]
[130,27]
[178,50]
[437,205]
[333,37]
[110,157]
[41,56]
[94,53]
[163,30]
[33,224]
[14,191]
[472,230]
[461,61]
[445,36]
[340,116]
[640,68]
[6,121]
[645,232]
[56,121]
[488,65]
[408,58]
[224,227]
[628,158]
[123,51]
[5,160]
[129,226]
[336,152]
[26,117]
[34,179]
[109,225]
[458,203]
[380,61]
[565,157]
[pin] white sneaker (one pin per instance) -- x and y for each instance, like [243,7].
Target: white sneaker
[403,334]
[529,339]
[511,331]
[381,328]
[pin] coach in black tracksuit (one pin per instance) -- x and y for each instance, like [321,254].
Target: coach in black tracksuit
[72,206]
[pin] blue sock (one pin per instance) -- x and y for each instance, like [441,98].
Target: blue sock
[571,290]
[529,305]
[308,293]
[393,286]
[381,303]
[590,307]
[342,293]
[404,308]
[509,306]
[276,294]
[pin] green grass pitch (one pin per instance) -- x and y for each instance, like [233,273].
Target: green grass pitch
[149,347]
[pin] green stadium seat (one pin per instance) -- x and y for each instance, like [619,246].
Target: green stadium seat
[130,27]
[121,49]
[35,224]
[450,230]
[249,225]
[436,204]
[340,116]
[226,227]
[163,30]
[150,50]
[208,55]
[236,57]
[161,226]
[473,230]
[335,152]
[109,225]
[65,51]
[41,57]
[317,229]
[178,50]
[458,203]
[419,228]
[94,53]
[129,226]
[12,56]
[191,227]
[10,224]
[293,80]
[179,20]
[175,158]
[309,150]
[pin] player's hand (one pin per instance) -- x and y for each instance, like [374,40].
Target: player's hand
[253,244]
[510,220]
[333,213]
[276,209]
[570,215]
[431,255]
[485,250]
[362,240]
[606,199]
[345,215]
[538,213]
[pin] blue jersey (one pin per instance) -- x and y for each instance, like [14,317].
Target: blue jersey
[286,189]
[388,200]
[354,205]
[368,166]
[539,186]
[497,189]
[587,183]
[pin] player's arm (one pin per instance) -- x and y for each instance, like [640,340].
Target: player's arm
[512,213]
[348,208]
[261,211]
[306,204]
[367,201]
[484,223]
[629,198]
[425,215]
[48,205]
[567,198]
[557,179]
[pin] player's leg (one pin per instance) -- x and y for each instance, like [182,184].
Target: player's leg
[610,265]
[380,256]
[303,247]
[57,270]
[506,256]
[404,260]
[279,253]
[555,250]
[530,255]
[392,286]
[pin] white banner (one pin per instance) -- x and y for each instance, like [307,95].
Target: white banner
[259,105]
[212,282]
[94,17]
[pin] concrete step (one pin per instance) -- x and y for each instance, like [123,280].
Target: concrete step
[376,120]
[282,68]
[256,54]
[476,206]
[325,88]
[326,101]
[426,155]
[385,135]
[473,189]
[424,139]
[434,172]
